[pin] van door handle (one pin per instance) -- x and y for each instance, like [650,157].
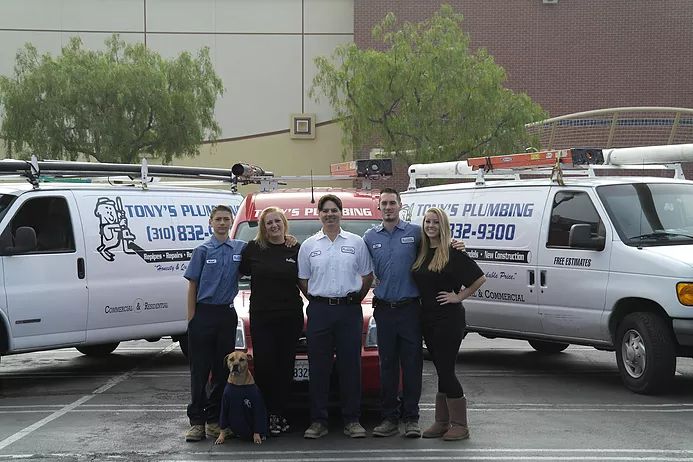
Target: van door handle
[532,281]
[542,278]
[80,268]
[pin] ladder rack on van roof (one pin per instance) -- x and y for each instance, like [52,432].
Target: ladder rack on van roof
[35,172]
[557,163]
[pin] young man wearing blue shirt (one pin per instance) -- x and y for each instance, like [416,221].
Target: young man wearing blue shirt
[393,245]
[212,286]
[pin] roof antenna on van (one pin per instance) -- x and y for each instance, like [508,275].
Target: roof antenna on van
[34,171]
[312,189]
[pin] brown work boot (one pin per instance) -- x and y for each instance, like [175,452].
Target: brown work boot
[458,420]
[195,433]
[212,429]
[442,418]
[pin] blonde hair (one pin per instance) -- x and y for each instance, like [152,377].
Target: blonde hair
[261,238]
[442,252]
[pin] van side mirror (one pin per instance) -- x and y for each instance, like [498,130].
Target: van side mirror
[580,237]
[24,241]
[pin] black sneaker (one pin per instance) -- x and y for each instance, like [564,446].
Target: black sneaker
[274,427]
[284,425]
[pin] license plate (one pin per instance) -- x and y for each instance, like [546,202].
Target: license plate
[301,372]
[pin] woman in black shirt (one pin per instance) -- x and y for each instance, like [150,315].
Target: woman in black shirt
[276,311]
[445,277]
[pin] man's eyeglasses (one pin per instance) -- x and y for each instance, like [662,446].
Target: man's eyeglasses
[330,210]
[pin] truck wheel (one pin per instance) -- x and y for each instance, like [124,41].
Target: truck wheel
[97,350]
[183,344]
[645,353]
[548,347]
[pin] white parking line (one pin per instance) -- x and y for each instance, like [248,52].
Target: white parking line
[568,454]
[463,458]
[59,413]
[424,454]
[663,408]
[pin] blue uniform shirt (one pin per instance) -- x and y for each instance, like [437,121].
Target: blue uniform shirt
[393,254]
[214,266]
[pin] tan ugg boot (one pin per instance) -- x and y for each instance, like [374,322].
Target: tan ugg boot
[458,420]
[442,418]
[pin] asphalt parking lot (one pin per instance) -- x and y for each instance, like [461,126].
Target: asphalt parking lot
[63,406]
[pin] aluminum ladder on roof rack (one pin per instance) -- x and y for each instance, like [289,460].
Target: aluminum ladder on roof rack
[558,163]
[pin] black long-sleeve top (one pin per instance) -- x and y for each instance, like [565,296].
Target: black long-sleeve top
[460,271]
[273,279]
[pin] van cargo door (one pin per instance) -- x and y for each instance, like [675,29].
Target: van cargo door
[573,265]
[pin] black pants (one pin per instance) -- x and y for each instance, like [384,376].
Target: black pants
[399,348]
[211,336]
[334,328]
[443,327]
[274,349]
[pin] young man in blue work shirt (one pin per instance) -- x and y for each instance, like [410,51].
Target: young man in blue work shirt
[393,245]
[212,286]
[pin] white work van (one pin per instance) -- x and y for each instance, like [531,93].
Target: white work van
[596,260]
[91,265]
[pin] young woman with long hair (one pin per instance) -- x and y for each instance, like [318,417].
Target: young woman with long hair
[445,277]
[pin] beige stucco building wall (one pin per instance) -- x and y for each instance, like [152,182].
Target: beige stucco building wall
[263,50]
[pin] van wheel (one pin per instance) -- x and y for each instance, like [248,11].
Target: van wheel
[548,347]
[98,350]
[645,353]
[183,344]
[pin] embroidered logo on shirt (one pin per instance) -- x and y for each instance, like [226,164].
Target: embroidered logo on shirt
[407,240]
[315,253]
[247,403]
[237,257]
[377,246]
[291,260]
[348,249]
[212,260]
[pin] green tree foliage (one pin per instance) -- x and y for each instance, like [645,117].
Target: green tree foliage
[427,97]
[112,105]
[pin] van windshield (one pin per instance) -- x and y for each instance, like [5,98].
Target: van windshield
[302,230]
[650,214]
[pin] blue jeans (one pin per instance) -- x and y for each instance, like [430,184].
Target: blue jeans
[399,348]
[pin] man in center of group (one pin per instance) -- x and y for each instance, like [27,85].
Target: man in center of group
[397,311]
[335,273]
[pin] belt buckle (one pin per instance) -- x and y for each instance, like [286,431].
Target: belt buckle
[333,301]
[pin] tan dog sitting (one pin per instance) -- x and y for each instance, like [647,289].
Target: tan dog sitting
[243,410]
